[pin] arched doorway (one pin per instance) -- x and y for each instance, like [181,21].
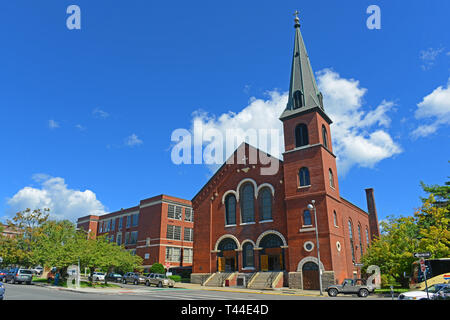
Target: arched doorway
[310,273]
[227,256]
[272,253]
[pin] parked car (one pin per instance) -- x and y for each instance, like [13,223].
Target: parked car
[19,275]
[38,270]
[3,274]
[133,277]
[351,286]
[2,291]
[159,280]
[97,276]
[114,277]
[435,292]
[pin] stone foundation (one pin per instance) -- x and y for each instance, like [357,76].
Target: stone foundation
[296,279]
[199,278]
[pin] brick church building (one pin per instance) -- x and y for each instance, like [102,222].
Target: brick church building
[259,230]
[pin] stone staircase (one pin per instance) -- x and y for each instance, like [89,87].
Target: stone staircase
[264,280]
[217,279]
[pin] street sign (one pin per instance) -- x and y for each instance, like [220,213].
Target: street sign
[422,255]
[359,264]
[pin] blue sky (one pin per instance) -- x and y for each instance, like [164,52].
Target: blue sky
[87,115]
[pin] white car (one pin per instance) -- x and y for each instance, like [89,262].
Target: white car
[434,292]
[98,276]
[38,270]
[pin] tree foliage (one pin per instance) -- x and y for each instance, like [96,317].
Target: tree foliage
[60,244]
[426,231]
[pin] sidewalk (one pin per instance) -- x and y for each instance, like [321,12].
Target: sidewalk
[189,286]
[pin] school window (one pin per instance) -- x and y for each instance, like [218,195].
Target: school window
[173,254]
[187,255]
[134,236]
[113,224]
[119,239]
[173,232]
[188,234]
[135,219]
[128,221]
[178,213]
[127,235]
[120,223]
[171,211]
[188,216]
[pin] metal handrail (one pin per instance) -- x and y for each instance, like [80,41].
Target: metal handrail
[270,279]
[250,279]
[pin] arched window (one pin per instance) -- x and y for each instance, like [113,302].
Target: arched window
[350,232]
[330,175]
[360,240]
[230,208]
[247,255]
[324,137]
[367,237]
[265,198]
[335,218]
[307,218]
[303,176]
[301,135]
[298,99]
[247,203]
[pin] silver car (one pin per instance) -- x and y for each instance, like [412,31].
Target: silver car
[159,280]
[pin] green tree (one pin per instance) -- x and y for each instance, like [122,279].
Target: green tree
[427,230]
[19,250]
[393,250]
[157,268]
[58,245]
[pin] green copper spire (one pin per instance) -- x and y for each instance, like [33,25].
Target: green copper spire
[303,92]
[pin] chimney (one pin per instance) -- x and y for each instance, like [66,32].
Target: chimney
[373,218]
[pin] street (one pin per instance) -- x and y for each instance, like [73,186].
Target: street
[35,292]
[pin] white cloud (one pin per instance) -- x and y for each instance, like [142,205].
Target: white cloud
[359,135]
[99,113]
[53,193]
[429,57]
[52,124]
[80,127]
[435,107]
[133,140]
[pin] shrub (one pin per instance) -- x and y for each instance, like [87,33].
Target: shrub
[157,268]
[175,278]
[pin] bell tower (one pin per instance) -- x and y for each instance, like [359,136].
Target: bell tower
[309,162]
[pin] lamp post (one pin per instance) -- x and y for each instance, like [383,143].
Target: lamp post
[313,207]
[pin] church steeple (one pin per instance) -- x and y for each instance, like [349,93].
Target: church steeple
[303,92]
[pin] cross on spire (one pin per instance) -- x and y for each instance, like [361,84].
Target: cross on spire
[297,20]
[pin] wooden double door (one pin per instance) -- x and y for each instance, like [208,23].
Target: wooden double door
[272,259]
[228,261]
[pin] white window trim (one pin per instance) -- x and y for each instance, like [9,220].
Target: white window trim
[230,225]
[304,187]
[246,223]
[266,221]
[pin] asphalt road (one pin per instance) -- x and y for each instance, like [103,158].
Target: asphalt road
[34,292]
